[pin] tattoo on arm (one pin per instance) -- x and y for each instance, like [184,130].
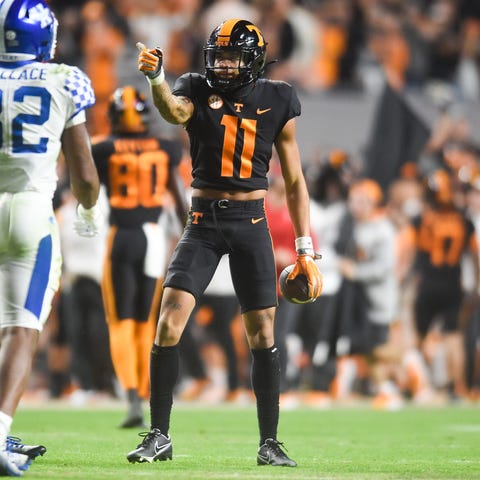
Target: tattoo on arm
[174,109]
[173,305]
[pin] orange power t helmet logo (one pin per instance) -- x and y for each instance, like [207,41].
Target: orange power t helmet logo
[223,38]
[255,29]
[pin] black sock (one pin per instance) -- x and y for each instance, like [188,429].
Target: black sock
[164,363]
[134,403]
[266,386]
[58,381]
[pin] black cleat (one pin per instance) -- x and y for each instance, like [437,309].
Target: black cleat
[15,445]
[155,446]
[271,453]
[133,422]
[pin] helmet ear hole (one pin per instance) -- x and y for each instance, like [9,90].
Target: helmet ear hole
[28,31]
[235,36]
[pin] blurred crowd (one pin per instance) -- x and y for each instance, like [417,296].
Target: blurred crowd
[399,318]
[317,45]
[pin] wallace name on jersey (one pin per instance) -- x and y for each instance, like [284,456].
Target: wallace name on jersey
[38,101]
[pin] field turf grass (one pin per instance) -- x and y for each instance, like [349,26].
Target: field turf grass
[221,442]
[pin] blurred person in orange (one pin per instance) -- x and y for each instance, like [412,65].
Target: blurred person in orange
[445,237]
[404,203]
[473,324]
[138,170]
[102,39]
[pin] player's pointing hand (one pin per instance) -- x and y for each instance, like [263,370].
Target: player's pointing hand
[150,63]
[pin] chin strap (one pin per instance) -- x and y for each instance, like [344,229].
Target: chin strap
[271,62]
[268,64]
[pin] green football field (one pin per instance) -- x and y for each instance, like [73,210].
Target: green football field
[221,442]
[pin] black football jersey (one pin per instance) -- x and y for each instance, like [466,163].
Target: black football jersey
[232,135]
[135,171]
[442,238]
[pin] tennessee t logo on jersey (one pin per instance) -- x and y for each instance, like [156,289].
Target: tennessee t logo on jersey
[196,216]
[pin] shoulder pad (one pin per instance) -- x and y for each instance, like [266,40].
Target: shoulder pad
[187,82]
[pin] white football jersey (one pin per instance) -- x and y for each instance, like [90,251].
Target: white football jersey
[37,102]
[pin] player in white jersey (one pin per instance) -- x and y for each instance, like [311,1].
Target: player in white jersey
[42,111]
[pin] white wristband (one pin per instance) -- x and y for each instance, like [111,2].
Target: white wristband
[159,79]
[304,245]
[88,213]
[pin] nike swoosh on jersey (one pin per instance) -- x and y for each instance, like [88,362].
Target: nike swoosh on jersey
[256,220]
[261,112]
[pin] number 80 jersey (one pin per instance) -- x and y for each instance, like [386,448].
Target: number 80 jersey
[37,102]
[231,136]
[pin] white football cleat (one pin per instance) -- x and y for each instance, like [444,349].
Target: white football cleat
[13,464]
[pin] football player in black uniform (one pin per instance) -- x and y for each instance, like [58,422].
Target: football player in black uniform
[445,238]
[233,119]
[137,169]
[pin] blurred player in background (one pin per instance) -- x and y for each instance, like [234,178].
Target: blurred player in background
[371,297]
[42,112]
[80,309]
[233,119]
[445,239]
[138,169]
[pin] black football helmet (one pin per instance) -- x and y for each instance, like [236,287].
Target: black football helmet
[243,40]
[128,110]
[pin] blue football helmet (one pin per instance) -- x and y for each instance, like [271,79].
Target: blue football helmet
[28,31]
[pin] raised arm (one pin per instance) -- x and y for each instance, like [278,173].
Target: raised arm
[176,110]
